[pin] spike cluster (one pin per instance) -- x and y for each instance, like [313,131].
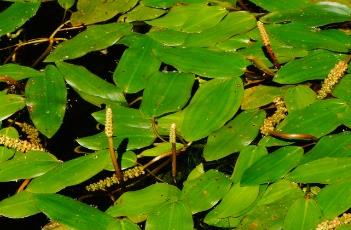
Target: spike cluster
[19,145]
[279,115]
[32,133]
[109,181]
[334,77]
[108,123]
[263,33]
[172,134]
[336,222]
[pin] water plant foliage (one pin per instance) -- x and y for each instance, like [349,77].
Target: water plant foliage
[228,114]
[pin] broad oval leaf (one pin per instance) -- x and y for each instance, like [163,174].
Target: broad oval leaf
[235,203]
[166,92]
[19,205]
[16,15]
[303,214]
[272,166]
[46,96]
[334,170]
[214,103]
[32,164]
[316,65]
[142,13]
[17,72]
[342,89]
[204,62]
[94,38]
[84,81]
[9,104]
[234,136]
[137,205]
[136,65]
[192,18]
[70,173]
[159,149]
[299,97]
[205,191]
[281,5]
[334,199]
[171,215]
[60,208]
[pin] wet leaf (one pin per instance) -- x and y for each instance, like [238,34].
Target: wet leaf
[46,96]
[94,38]
[19,205]
[93,11]
[303,214]
[18,72]
[204,62]
[190,18]
[334,170]
[161,95]
[205,191]
[212,105]
[273,166]
[315,66]
[32,164]
[334,199]
[136,66]
[16,15]
[84,81]
[234,136]
[70,173]
[10,104]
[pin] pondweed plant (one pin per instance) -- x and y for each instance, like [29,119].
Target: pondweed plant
[228,114]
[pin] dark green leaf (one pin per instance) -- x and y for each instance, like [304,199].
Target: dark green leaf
[303,214]
[46,96]
[248,155]
[93,11]
[9,104]
[73,213]
[84,81]
[16,15]
[342,89]
[136,66]
[234,136]
[18,72]
[142,13]
[32,164]
[94,38]
[315,66]
[212,105]
[335,199]
[326,170]
[271,167]
[19,205]
[205,191]
[70,173]
[204,62]
[166,92]
[192,18]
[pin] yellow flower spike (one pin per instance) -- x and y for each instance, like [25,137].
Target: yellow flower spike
[279,115]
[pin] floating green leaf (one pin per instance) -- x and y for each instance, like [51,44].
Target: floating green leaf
[303,214]
[334,170]
[94,38]
[93,11]
[19,205]
[190,18]
[334,199]
[46,96]
[212,105]
[160,95]
[84,81]
[315,66]
[142,13]
[271,167]
[205,191]
[299,97]
[16,15]
[159,149]
[281,5]
[204,62]
[18,72]
[342,89]
[32,164]
[9,104]
[234,136]
[60,208]
[136,66]
[70,173]
[248,155]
